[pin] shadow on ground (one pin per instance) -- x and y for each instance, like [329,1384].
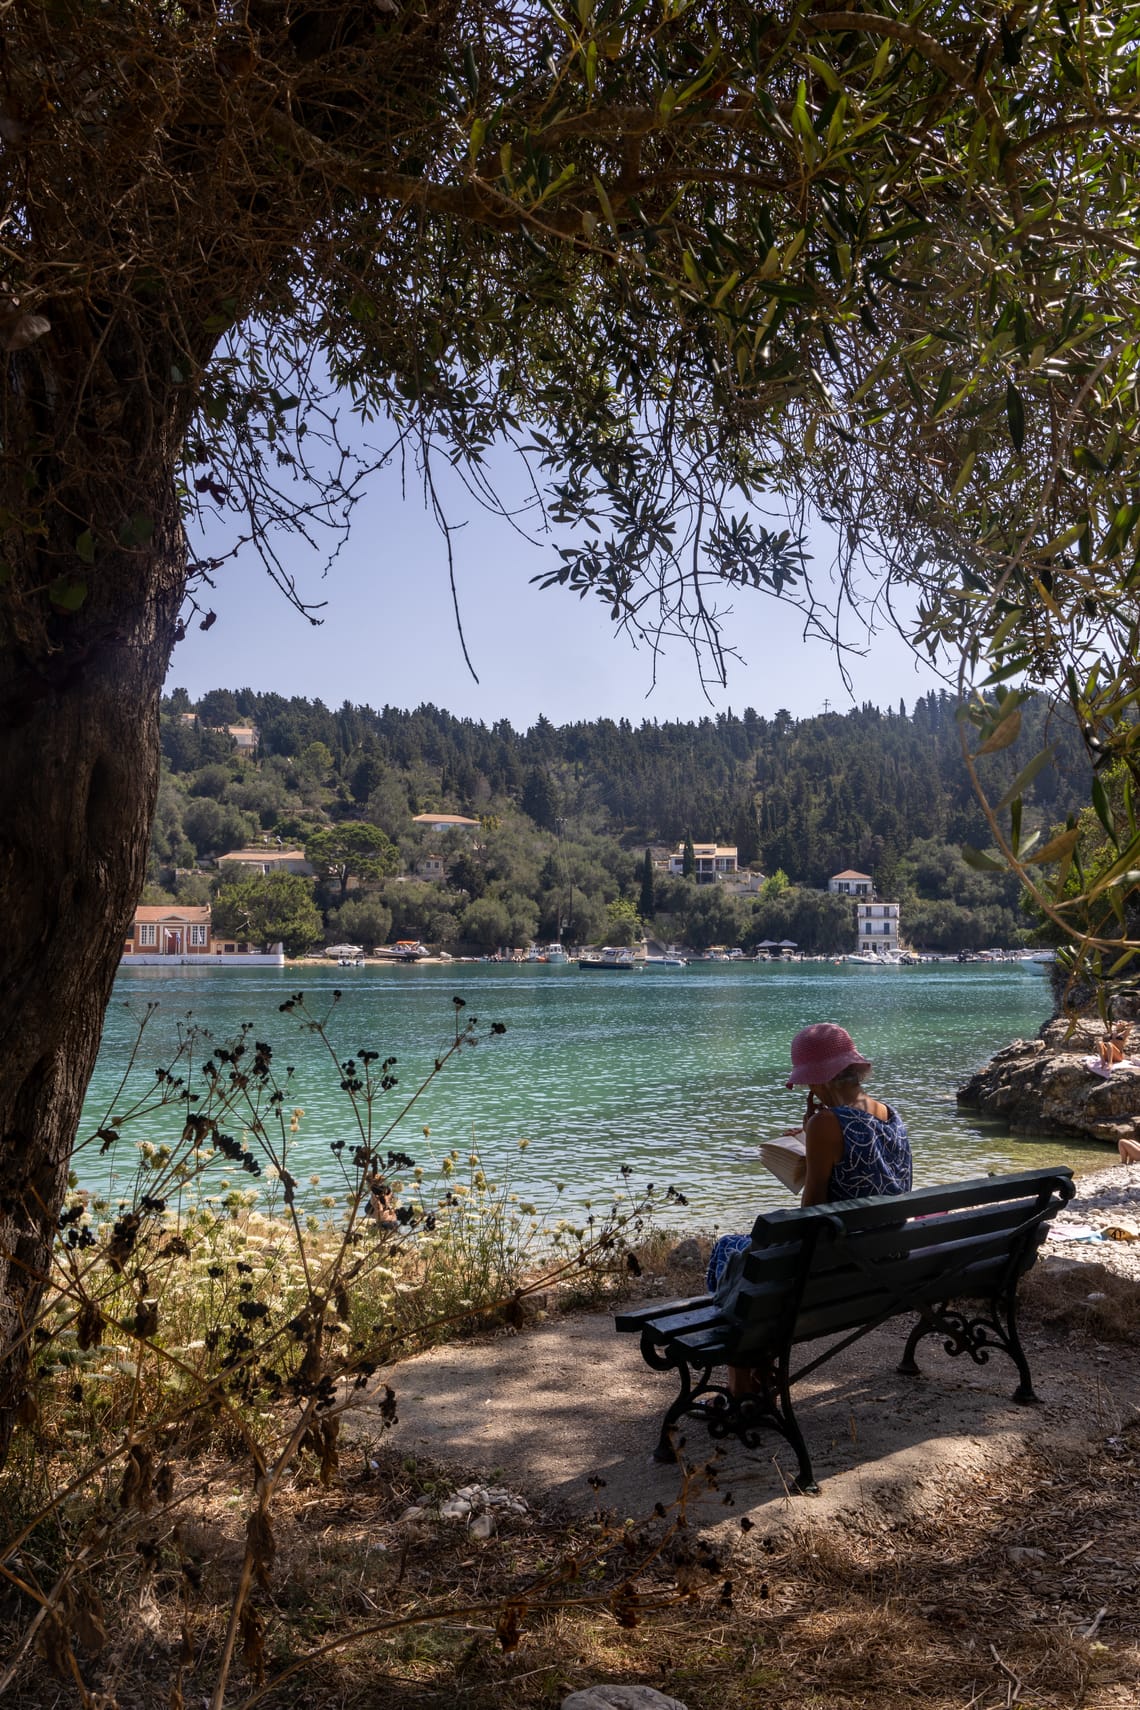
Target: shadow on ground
[560,1404]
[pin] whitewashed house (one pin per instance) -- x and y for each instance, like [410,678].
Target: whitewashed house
[876,926]
[712,861]
[851,884]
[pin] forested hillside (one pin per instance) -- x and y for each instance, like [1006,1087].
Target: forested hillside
[567,815]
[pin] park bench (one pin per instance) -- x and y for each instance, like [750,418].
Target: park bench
[953,1255]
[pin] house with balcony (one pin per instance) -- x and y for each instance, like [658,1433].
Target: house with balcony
[711,861]
[876,926]
[851,884]
[166,935]
[246,737]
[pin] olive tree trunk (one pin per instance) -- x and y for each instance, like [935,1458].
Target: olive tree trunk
[79,761]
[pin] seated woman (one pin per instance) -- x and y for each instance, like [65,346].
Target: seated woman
[856,1146]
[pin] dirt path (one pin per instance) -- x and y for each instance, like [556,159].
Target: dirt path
[566,1402]
[548,1409]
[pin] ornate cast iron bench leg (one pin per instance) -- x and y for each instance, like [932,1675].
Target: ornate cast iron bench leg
[975,1336]
[750,1417]
[666,1451]
[747,1418]
[663,1360]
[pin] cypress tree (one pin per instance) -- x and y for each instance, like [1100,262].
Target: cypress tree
[646,906]
[688,858]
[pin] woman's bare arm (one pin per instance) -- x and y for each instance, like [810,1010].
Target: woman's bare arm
[824,1148]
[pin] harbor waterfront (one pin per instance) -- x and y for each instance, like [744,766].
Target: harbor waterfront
[671,1072]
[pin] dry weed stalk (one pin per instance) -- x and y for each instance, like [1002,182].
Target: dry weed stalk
[178,1317]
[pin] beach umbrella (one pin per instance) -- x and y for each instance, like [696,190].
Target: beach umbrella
[767,944]
[787,944]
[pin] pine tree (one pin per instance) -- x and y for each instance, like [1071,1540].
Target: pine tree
[539,798]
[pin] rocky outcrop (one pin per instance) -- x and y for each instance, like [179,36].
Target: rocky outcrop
[1045,1086]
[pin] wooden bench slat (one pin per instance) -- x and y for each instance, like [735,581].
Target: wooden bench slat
[633,1318]
[916,1234]
[859,1214]
[678,1326]
[699,1342]
[947,1260]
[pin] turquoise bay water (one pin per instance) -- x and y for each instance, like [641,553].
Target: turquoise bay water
[669,1070]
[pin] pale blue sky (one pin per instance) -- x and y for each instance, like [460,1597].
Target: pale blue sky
[389,637]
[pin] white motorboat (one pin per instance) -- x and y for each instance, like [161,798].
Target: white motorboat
[610,957]
[404,950]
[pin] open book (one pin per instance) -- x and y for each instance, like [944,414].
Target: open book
[787,1159]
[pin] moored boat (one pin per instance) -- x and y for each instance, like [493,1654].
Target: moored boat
[345,955]
[610,956]
[404,950]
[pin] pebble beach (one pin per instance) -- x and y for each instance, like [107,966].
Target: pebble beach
[1102,1224]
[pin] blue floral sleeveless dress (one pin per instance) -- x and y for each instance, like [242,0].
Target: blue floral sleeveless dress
[876,1159]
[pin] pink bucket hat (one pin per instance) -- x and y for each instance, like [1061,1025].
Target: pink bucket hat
[821,1052]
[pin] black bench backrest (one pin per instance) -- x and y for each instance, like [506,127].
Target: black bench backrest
[833,1268]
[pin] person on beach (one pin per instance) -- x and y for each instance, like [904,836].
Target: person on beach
[856,1146]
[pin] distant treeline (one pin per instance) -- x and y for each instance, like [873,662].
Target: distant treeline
[885,792]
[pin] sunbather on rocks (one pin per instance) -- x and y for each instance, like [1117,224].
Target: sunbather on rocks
[1110,1049]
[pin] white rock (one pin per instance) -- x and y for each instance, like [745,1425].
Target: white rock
[619,1697]
[412,1514]
[483,1526]
[455,1508]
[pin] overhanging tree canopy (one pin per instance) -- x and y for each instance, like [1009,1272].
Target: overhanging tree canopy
[684,252]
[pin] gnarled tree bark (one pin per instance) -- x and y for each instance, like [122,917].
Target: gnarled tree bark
[79,760]
[148,211]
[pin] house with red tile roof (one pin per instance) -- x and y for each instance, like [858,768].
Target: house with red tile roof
[166,934]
